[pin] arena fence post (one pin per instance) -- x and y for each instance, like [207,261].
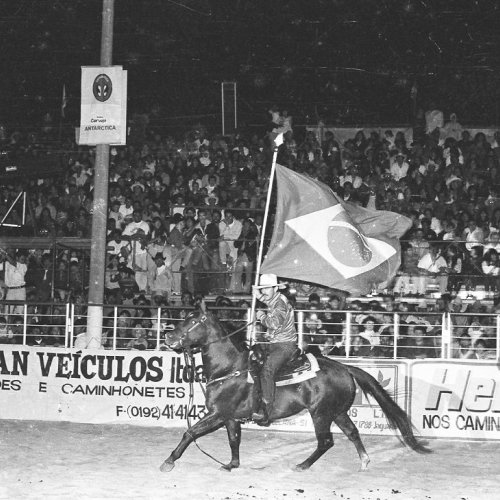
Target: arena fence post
[158,328]
[449,334]
[25,322]
[66,326]
[445,334]
[498,337]
[250,326]
[71,326]
[115,325]
[396,335]
[300,329]
[348,322]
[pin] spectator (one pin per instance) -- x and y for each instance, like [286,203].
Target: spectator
[491,270]
[15,268]
[180,253]
[360,347]
[465,350]
[432,264]
[246,245]
[459,320]
[6,333]
[473,268]
[454,269]
[473,235]
[230,230]
[481,351]
[399,167]
[139,341]
[370,334]
[160,278]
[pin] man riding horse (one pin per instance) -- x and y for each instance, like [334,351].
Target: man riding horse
[281,339]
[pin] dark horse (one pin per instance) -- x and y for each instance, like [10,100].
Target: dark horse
[229,396]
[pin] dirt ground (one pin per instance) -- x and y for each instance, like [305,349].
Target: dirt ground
[66,460]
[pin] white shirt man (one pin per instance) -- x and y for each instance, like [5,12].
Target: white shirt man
[399,168]
[160,279]
[15,270]
[230,229]
[493,242]
[474,236]
[115,246]
[432,263]
[134,227]
[138,256]
[126,210]
[351,177]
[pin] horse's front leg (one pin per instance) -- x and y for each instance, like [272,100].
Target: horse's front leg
[207,424]
[234,434]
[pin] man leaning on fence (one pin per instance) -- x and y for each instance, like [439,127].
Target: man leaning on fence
[14,265]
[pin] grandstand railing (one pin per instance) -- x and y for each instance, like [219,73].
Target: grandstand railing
[335,333]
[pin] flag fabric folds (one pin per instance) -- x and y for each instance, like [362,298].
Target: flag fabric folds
[319,238]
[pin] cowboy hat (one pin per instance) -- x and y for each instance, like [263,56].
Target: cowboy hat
[269,281]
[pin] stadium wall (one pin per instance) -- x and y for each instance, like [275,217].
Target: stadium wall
[446,399]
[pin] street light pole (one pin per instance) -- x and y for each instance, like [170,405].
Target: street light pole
[100,204]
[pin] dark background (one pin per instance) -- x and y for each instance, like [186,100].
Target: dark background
[347,62]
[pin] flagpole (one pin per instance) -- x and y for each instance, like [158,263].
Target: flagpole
[277,142]
[62,113]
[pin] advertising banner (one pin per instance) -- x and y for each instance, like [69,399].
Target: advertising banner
[365,412]
[447,399]
[98,386]
[456,399]
[103,117]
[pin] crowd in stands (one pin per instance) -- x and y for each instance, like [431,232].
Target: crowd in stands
[416,334]
[185,213]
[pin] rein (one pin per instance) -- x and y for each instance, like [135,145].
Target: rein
[189,360]
[202,320]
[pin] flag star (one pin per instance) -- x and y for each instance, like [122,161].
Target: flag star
[314,227]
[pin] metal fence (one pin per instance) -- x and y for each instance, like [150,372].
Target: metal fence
[346,333]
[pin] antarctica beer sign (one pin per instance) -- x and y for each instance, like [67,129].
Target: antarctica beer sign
[103,118]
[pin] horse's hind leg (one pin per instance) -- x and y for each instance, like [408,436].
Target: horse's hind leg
[207,424]
[346,425]
[234,434]
[322,425]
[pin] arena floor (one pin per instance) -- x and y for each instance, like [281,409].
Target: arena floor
[63,460]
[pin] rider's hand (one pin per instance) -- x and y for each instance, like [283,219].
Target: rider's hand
[259,315]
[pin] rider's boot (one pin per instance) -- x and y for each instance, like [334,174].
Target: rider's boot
[262,417]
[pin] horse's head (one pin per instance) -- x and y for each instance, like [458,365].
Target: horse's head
[193,331]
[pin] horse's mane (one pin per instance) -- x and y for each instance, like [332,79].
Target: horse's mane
[238,339]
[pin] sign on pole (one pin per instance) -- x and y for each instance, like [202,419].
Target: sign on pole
[103,117]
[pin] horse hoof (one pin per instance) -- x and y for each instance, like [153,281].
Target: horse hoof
[167,466]
[230,466]
[300,468]
[364,464]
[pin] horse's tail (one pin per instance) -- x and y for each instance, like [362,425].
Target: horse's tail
[396,416]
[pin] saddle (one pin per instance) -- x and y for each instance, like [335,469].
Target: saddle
[300,367]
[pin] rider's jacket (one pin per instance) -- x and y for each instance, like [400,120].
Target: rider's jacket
[279,319]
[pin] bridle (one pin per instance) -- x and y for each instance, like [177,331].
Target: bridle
[203,320]
[196,324]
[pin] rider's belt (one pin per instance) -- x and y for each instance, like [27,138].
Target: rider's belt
[16,287]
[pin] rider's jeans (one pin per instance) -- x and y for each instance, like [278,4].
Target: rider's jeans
[278,353]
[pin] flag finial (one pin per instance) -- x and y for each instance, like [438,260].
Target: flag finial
[278,140]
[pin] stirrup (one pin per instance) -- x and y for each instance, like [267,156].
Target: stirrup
[261,419]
